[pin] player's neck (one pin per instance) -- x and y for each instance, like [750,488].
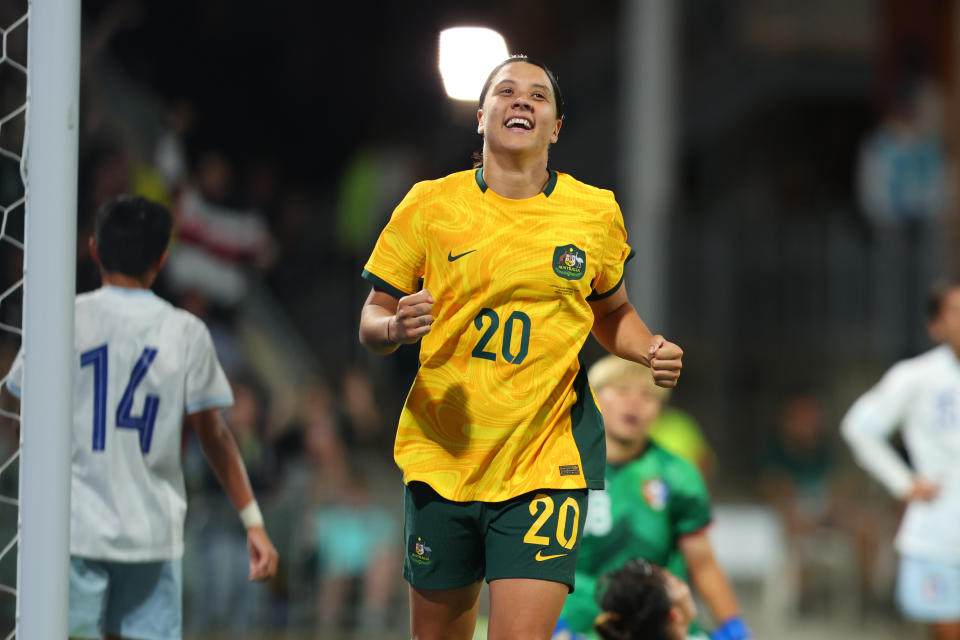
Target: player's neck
[515,178]
[621,452]
[114,279]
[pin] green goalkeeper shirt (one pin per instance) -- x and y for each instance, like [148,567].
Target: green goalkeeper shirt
[648,504]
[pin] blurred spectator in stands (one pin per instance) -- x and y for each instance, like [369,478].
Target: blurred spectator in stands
[902,165]
[904,191]
[833,539]
[346,544]
[170,149]
[218,238]
[224,596]
[364,423]
[100,82]
[800,465]
[679,433]
[222,333]
[356,550]
[373,181]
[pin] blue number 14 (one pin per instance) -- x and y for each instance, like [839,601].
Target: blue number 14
[124,418]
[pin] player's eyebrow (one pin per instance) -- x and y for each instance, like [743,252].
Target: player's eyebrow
[535,85]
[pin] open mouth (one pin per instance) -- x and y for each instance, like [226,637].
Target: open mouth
[518,122]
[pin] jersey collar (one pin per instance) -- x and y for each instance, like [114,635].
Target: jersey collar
[547,190]
[126,291]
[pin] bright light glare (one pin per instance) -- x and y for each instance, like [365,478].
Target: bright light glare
[467,55]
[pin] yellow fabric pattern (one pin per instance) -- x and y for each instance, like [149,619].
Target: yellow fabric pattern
[489,414]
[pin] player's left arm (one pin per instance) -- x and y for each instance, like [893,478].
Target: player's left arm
[622,332]
[711,583]
[223,455]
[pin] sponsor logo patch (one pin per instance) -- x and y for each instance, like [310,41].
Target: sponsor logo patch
[453,258]
[569,470]
[540,557]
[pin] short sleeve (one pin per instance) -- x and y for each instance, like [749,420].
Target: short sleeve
[14,379]
[882,409]
[690,501]
[397,262]
[614,256]
[874,417]
[207,386]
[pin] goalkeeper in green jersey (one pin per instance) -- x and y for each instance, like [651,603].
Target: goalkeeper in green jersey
[655,506]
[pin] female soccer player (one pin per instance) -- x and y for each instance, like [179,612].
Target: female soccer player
[920,396]
[655,505]
[499,438]
[641,601]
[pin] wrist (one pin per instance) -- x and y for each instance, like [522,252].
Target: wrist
[733,628]
[389,339]
[250,515]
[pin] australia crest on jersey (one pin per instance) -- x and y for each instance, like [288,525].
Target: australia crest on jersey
[656,493]
[421,552]
[569,262]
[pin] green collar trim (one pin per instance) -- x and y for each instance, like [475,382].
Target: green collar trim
[551,184]
[480,182]
[547,190]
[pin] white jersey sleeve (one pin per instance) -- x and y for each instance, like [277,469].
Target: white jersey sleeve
[873,418]
[206,384]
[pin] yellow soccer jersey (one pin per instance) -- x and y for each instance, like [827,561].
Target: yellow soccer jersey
[500,406]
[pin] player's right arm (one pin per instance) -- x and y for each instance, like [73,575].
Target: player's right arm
[220,448]
[386,322]
[870,422]
[712,584]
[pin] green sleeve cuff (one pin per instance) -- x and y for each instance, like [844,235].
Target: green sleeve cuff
[382,285]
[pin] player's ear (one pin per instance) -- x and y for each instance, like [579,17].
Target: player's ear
[556,130]
[93,251]
[161,260]
[480,121]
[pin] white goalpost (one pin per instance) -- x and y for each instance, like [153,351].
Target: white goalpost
[48,168]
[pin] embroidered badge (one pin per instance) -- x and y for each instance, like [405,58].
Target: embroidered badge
[569,470]
[421,553]
[656,493]
[569,262]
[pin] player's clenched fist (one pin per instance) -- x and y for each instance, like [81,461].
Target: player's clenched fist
[665,361]
[412,320]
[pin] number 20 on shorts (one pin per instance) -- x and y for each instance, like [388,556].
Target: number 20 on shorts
[543,504]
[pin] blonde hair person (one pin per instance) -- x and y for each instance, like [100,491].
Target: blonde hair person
[654,506]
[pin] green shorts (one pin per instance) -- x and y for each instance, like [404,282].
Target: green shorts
[454,544]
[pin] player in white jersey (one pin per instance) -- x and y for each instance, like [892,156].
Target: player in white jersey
[143,369]
[921,396]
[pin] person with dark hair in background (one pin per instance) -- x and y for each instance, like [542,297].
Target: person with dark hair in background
[921,395]
[641,601]
[143,369]
[499,439]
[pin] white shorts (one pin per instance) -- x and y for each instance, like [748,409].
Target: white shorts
[928,590]
[141,600]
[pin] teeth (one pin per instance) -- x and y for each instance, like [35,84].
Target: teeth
[520,121]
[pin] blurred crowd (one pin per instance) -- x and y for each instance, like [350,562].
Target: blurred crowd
[273,266]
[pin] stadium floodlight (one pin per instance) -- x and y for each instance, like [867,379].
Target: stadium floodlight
[467,54]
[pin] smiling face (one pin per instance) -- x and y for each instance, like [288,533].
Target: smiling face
[519,112]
